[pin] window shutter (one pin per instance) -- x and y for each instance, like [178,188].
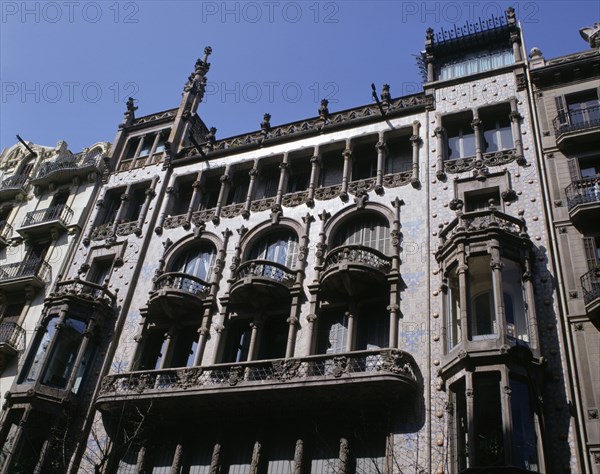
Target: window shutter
[574,169]
[589,245]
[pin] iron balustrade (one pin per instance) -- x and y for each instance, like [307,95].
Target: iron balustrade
[318,367]
[61,213]
[358,254]
[71,162]
[13,182]
[12,335]
[590,282]
[483,220]
[84,289]
[183,282]
[34,267]
[5,230]
[575,120]
[266,269]
[583,191]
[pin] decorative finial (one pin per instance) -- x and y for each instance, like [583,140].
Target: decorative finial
[265,125]
[323,110]
[385,94]
[131,105]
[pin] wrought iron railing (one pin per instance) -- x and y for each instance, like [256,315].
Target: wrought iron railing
[12,335]
[575,120]
[266,269]
[84,289]
[349,365]
[13,182]
[590,282]
[34,267]
[70,162]
[5,230]
[358,254]
[62,213]
[183,282]
[583,191]
[483,220]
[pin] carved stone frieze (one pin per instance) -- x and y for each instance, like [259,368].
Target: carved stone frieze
[489,159]
[397,179]
[295,199]
[330,192]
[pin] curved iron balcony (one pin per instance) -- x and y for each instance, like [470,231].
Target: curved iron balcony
[43,220]
[260,282]
[384,373]
[576,120]
[12,340]
[176,294]
[352,269]
[65,168]
[590,283]
[35,272]
[12,186]
[583,200]
[5,232]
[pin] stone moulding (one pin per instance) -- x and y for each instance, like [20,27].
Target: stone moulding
[489,159]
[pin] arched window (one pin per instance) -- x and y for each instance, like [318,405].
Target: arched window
[197,261]
[279,247]
[368,231]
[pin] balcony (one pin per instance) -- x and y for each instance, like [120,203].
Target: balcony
[381,375]
[43,221]
[480,226]
[16,276]
[583,201]
[5,232]
[64,169]
[354,270]
[590,282]
[261,282]
[12,341]
[177,294]
[577,128]
[11,187]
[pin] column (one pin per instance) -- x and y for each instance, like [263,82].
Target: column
[347,153]
[351,329]
[169,336]
[196,196]
[515,127]
[415,141]
[315,162]
[225,180]
[380,162]
[253,173]
[479,145]
[530,305]
[440,135]
[463,275]
[255,326]
[506,414]
[122,206]
[496,266]
[150,193]
[283,175]
[471,443]
[298,456]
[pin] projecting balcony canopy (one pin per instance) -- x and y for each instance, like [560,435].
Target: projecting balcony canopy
[12,186]
[480,226]
[260,282]
[83,291]
[590,282]
[354,269]
[583,201]
[382,374]
[64,169]
[577,127]
[176,294]
[44,220]
[12,338]
[15,276]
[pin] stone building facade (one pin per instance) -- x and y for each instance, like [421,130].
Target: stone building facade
[566,92]
[45,197]
[369,290]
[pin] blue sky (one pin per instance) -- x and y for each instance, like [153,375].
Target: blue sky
[67,67]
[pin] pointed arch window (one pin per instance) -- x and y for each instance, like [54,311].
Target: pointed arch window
[279,247]
[197,261]
[371,231]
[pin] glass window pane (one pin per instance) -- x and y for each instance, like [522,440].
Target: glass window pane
[524,439]
[487,417]
[468,144]
[514,304]
[492,140]
[64,353]
[453,329]
[38,360]
[482,315]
